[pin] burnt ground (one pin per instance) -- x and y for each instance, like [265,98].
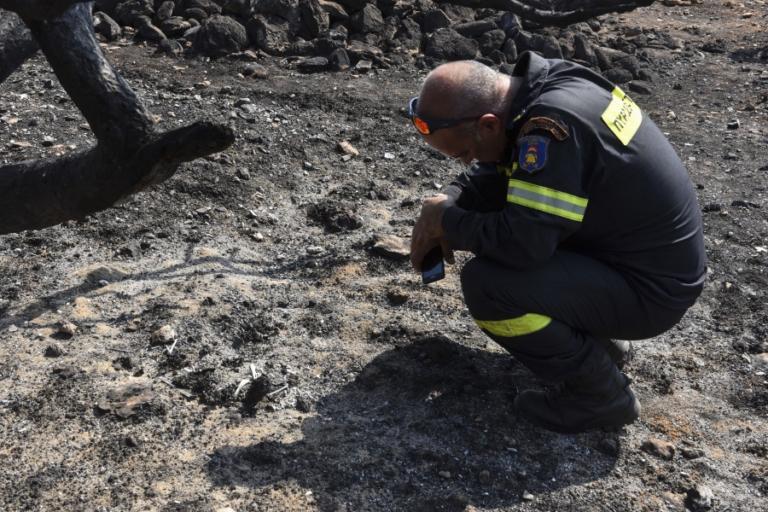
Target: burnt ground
[372,392]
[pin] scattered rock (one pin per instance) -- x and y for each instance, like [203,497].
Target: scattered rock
[106,26]
[125,401]
[640,87]
[444,474]
[434,19]
[68,372]
[733,124]
[609,446]
[255,71]
[699,498]
[347,148]
[692,453]
[335,217]
[658,448]
[105,275]
[391,246]
[146,30]
[257,391]
[339,60]
[527,496]
[162,336]
[303,404]
[447,44]
[65,329]
[313,65]
[270,34]
[219,36]
[54,350]
[618,75]
[368,20]
[397,297]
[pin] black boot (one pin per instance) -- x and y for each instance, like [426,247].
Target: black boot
[622,352]
[597,395]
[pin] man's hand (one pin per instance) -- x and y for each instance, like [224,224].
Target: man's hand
[428,231]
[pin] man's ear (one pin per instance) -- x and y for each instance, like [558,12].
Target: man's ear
[490,123]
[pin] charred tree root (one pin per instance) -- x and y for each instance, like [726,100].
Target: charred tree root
[16,44]
[559,13]
[130,155]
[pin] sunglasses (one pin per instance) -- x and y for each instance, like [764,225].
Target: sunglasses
[429,126]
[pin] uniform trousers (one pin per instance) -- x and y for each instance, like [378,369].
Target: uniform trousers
[554,316]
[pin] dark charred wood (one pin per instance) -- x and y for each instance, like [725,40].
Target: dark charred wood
[558,13]
[130,155]
[38,9]
[16,44]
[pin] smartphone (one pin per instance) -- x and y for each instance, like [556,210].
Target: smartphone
[432,266]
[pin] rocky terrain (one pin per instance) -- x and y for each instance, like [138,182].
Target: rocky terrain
[249,336]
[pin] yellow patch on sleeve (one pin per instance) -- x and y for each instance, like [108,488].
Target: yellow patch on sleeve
[623,116]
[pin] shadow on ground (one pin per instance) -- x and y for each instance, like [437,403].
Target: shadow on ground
[433,408]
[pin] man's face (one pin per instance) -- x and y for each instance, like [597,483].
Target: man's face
[479,140]
[457,142]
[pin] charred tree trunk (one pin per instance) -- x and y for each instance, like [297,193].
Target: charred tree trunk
[558,13]
[16,44]
[130,155]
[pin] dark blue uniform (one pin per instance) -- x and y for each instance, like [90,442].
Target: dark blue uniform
[589,229]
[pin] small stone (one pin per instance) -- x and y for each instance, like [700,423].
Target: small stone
[391,246]
[131,442]
[243,173]
[125,400]
[609,446]
[53,350]
[658,448]
[363,66]
[397,297]
[315,250]
[527,496]
[162,336]
[255,71]
[699,499]
[313,65]
[692,453]
[258,237]
[445,474]
[347,148]
[733,124]
[48,141]
[484,477]
[389,156]
[640,87]
[303,404]
[66,329]
[13,328]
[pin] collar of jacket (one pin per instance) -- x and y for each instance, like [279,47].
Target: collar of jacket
[534,70]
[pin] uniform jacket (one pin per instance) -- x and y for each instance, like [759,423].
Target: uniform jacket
[589,172]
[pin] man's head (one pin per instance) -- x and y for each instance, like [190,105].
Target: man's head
[462,108]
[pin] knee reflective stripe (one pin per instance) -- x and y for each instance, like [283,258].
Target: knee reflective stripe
[512,327]
[547,200]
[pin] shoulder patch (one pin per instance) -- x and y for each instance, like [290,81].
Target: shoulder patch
[533,153]
[556,129]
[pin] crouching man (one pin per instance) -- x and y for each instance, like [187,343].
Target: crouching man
[583,221]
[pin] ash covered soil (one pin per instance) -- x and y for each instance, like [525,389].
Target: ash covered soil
[239,344]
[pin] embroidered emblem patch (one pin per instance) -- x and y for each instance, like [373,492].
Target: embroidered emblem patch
[553,126]
[533,153]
